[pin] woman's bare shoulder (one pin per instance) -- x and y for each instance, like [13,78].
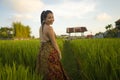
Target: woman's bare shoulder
[49,28]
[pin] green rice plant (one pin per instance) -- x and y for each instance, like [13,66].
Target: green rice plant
[82,59]
[20,52]
[97,58]
[68,61]
[17,73]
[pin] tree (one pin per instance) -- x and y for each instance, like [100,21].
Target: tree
[6,32]
[18,30]
[108,27]
[21,31]
[110,31]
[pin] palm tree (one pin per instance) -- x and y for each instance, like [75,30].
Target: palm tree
[108,27]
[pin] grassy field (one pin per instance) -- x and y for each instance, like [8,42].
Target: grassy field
[83,59]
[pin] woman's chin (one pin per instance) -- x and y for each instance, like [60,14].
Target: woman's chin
[51,23]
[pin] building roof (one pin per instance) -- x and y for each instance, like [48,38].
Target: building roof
[76,29]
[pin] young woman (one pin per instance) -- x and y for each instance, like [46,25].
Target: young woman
[48,61]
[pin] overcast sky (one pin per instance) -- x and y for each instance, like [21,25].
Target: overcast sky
[93,14]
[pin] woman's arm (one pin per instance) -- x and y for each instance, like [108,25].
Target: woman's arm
[51,35]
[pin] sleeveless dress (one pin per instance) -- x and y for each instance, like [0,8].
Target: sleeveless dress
[48,63]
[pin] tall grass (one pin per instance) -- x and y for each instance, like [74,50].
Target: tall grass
[23,54]
[96,59]
[17,73]
[82,59]
[19,52]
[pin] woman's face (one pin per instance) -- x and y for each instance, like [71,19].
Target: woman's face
[49,19]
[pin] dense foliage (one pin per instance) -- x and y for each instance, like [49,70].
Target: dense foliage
[17,31]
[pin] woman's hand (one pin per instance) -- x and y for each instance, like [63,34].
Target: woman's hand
[60,56]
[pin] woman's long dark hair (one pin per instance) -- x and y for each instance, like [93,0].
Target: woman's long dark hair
[43,17]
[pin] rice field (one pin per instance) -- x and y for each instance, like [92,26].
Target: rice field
[82,59]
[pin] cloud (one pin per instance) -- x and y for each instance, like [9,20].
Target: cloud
[103,17]
[20,17]
[66,9]
[24,6]
[72,8]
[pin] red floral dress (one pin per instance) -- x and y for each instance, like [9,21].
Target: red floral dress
[48,63]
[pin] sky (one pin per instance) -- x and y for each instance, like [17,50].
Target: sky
[92,14]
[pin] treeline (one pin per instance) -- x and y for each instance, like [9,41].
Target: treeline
[17,31]
[110,32]
[6,32]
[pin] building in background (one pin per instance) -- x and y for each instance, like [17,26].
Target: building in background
[117,24]
[76,30]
